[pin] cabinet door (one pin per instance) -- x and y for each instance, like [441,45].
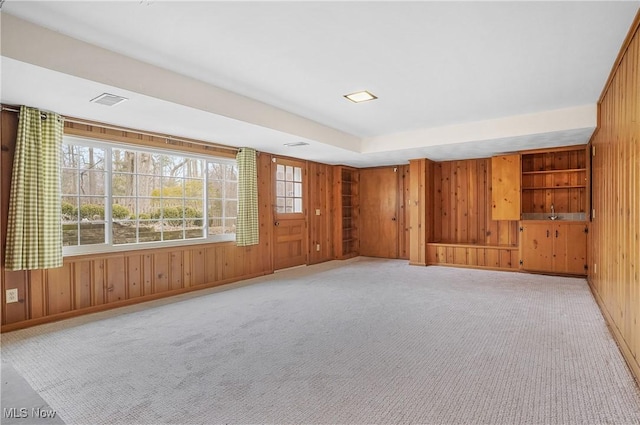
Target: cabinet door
[505,187]
[379,212]
[537,247]
[570,248]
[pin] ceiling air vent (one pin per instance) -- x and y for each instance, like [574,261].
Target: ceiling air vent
[108,99]
[294,144]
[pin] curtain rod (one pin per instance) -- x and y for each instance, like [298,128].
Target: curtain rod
[143,133]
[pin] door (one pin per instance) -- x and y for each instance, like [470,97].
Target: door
[537,246]
[505,187]
[570,250]
[290,224]
[379,212]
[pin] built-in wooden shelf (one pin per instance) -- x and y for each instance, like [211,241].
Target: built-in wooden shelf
[555,187]
[558,179]
[573,170]
[346,196]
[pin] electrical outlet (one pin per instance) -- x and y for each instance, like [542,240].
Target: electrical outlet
[317,211]
[595,268]
[317,247]
[12,295]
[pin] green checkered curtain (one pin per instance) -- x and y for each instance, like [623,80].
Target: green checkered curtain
[247,226]
[34,233]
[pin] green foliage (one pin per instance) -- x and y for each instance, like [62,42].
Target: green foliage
[119,212]
[96,212]
[192,189]
[193,216]
[144,216]
[92,212]
[69,210]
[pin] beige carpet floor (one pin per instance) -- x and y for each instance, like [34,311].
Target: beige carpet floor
[364,341]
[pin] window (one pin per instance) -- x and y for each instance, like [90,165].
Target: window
[118,196]
[288,189]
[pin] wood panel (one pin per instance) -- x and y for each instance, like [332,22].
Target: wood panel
[379,212]
[536,246]
[403,212]
[505,183]
[475,256]
[289,243]
[320,178]
[90,283]
[421,209]
[462,205]
[614,268]
[570,248]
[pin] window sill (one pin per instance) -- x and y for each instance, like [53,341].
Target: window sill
[77,251]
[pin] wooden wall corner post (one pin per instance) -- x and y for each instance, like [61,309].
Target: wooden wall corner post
[420,209]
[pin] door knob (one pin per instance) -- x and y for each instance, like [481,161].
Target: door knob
[393,219]
[276,223]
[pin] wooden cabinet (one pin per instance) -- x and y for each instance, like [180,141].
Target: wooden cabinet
[557,247]
[347,209]
[505,187]
[557,178]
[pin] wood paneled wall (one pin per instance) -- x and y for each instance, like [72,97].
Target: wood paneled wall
[403,212]
[320,226]
[420,208]
[462,206]
[96,282]
[615,230]
[474,256]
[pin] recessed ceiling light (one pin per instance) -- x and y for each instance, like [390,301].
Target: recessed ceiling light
[293,144]
[361,96]
[108,99]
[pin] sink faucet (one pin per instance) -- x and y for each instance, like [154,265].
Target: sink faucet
[553,215]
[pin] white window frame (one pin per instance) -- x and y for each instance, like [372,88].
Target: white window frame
[108,246]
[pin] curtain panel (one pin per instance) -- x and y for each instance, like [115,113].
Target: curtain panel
[247,226]
[34,231]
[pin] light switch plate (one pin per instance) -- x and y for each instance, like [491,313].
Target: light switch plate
[12,296]
[317,211]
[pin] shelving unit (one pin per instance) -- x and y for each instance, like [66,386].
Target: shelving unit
[557,177]
[346,237]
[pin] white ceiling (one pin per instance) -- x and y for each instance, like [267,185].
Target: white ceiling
[454,79]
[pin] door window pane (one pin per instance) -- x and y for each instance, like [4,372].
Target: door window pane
[288,189]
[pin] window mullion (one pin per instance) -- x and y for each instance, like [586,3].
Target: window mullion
[224,199]
[205,213]
[108,194]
